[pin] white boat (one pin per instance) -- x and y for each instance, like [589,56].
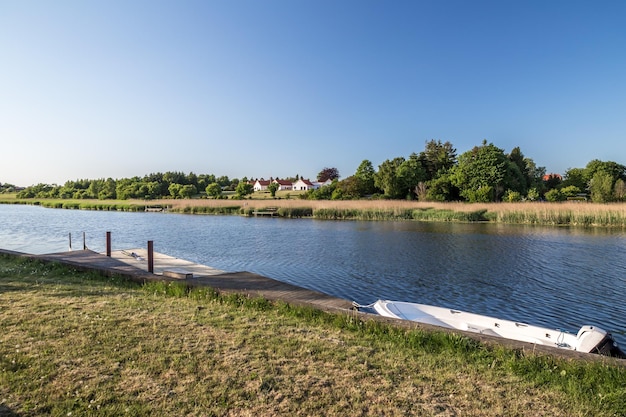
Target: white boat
[589,339]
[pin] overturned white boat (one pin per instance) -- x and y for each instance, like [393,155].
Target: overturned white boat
[589,339]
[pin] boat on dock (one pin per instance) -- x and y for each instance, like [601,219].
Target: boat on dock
[589,339]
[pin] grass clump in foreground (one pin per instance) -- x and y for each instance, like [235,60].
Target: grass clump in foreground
[75,342]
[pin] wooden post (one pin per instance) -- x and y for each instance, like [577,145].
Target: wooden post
[84,242]
[70,241]
[109,244]
[151,256]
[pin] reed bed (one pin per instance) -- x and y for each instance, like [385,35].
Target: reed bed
[579,214]
[533,213]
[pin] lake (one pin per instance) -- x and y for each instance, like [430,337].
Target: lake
[554,277]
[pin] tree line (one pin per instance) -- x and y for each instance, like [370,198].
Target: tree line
[151,186]
[485,173]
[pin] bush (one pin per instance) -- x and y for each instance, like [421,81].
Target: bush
[512,196]
[554,195]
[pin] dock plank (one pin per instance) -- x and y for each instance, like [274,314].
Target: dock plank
[133,263]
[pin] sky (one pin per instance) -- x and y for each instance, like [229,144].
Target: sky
[279,88]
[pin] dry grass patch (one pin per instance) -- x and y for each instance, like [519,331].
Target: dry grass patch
[74,344]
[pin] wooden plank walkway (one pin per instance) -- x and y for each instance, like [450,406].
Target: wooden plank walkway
[254,285]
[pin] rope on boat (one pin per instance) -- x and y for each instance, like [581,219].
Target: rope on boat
[359,306]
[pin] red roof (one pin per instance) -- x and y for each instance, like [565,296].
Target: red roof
[548,177]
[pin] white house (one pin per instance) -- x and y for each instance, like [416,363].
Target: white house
[261,185]
[317,184]
[303,185]
[283,184]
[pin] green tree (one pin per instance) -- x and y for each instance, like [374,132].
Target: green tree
[364,178]
[437,158]
[410,174]
[619,190]
[223,181]
[570,191]
[519,176]
[243,189]
[576,177]
[535,175]
[214,190]
[7,188]
[272,188]
[615,170]
[204,180]
[481,173]
[554,195]
[133,187]
[601,187]
[174,177]
[512,196]
[387,178]
[107,191]
[322,193]
[533,194]
[442,188]
[174,190]
[348,189]
[187,191]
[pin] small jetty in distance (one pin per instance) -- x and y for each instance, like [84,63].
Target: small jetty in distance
[156,208]
[267,211]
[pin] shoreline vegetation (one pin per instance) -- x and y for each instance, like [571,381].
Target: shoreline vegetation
[571,213]
[105,346]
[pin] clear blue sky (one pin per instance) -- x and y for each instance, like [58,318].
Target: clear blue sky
[260,88]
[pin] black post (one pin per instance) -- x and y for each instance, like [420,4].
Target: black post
[70,241]
[109,244]
[151,256]
[84,242]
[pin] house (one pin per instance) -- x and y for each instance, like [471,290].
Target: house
[303,185]
[556,177]
[261,185]
[317,184]
[283,184]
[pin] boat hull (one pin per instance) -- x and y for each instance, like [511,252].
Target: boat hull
[589,339]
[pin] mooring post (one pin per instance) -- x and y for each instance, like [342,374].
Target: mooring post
[70,235]
[109,244]
[84,242]
[151,256]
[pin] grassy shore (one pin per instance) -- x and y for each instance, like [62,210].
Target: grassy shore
[579,214]
[75,343]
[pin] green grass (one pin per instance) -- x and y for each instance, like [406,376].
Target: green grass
[190,209]
[76,343]
[421,214]
[102,205]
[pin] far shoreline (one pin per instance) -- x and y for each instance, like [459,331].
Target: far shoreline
[571,213]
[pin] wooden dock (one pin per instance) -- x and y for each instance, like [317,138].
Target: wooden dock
[134,268]
[132,264]
[268,211]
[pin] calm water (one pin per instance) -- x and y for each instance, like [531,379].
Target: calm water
[555,277]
